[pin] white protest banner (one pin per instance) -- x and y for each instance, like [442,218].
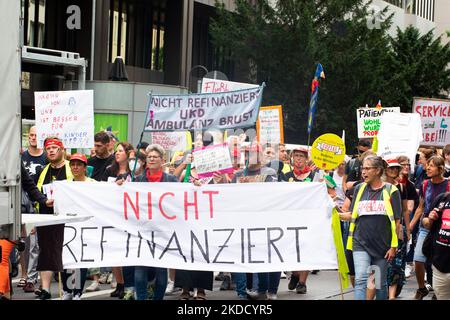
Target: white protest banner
[172,141]
[68,115]
[216,85]
[234,109]
[247,227]
[435,118]
[400,134]
[213,158]
[269,125]
[369,120]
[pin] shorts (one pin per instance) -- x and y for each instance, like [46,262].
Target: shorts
[418,254]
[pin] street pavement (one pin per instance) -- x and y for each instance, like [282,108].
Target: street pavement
[321,286]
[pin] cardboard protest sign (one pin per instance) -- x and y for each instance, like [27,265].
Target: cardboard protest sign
[328,151]
[400,134]
[172,141]
[234,109]
[213,158]
[369,120]
[68,115]
[269,125]
[435,119]
[255,227]
[216,85]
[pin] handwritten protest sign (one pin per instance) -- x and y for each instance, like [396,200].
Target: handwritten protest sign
[210,159]
[68,115]
[257,227]
[234,109]
[328,151]
[173,141]
[435,119]
[269,125]
[400,134]
[369,121]
[216,85]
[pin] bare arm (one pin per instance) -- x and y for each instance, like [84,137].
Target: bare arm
[417,214]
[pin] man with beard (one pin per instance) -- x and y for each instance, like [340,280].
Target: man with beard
[50,238]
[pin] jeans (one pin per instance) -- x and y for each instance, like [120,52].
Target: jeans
[268,281]
[363,261]
[141,277]
[33,259]
[128,276]
[240,279]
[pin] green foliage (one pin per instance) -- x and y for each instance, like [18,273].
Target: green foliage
[281,45]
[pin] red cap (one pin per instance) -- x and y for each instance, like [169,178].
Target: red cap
[79,156]
[392,163]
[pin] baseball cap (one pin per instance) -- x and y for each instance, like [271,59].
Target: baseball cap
[392,163]
[80,157]
[301,149]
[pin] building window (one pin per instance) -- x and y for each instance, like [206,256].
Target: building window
[33,12]
[424,9]
[397,3]
[136,32]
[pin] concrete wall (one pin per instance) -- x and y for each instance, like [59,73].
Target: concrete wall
[129,98]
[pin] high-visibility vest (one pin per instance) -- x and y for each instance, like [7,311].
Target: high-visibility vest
[69,176]
[389,212]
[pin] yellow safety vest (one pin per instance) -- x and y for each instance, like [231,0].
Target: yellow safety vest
[41,179]
[389,212]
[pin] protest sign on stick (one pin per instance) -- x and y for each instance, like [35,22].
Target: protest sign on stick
[435,119]
[68,115]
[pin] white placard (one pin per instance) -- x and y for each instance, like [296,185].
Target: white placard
[171,141]
[400,134]
[435,119]
[68,115]
[214,158]
[254,227]
[369,120]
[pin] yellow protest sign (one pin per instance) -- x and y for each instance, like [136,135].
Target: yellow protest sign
[328,151]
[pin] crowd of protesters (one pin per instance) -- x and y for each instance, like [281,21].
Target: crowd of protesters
[393,217]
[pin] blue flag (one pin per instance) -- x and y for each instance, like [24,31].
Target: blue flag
[314,96]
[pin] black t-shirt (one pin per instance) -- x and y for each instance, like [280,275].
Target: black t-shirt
[33,164]
[353,170]
[373,232]
[53,174]
[411,193]
[290,177]
[441,230]
[99,166]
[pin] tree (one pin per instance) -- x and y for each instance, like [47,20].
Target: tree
[419,67]
[281,44]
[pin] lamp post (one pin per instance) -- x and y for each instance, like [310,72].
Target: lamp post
[199,82]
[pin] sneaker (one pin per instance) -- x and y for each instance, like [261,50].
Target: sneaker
[293,282]
[38,291]
[301,288]
[272,296]
[94,286]
[255,295]
[243,297]
[67,296]
[226,283]
[77,297]
[429,287]
[29,287]
[219,277]
[45,295]
[421,293]
[408,271]
[129,295]
[170,287]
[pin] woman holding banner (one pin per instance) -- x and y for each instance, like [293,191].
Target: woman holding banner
[119,172]
[376,211]
[153,173]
